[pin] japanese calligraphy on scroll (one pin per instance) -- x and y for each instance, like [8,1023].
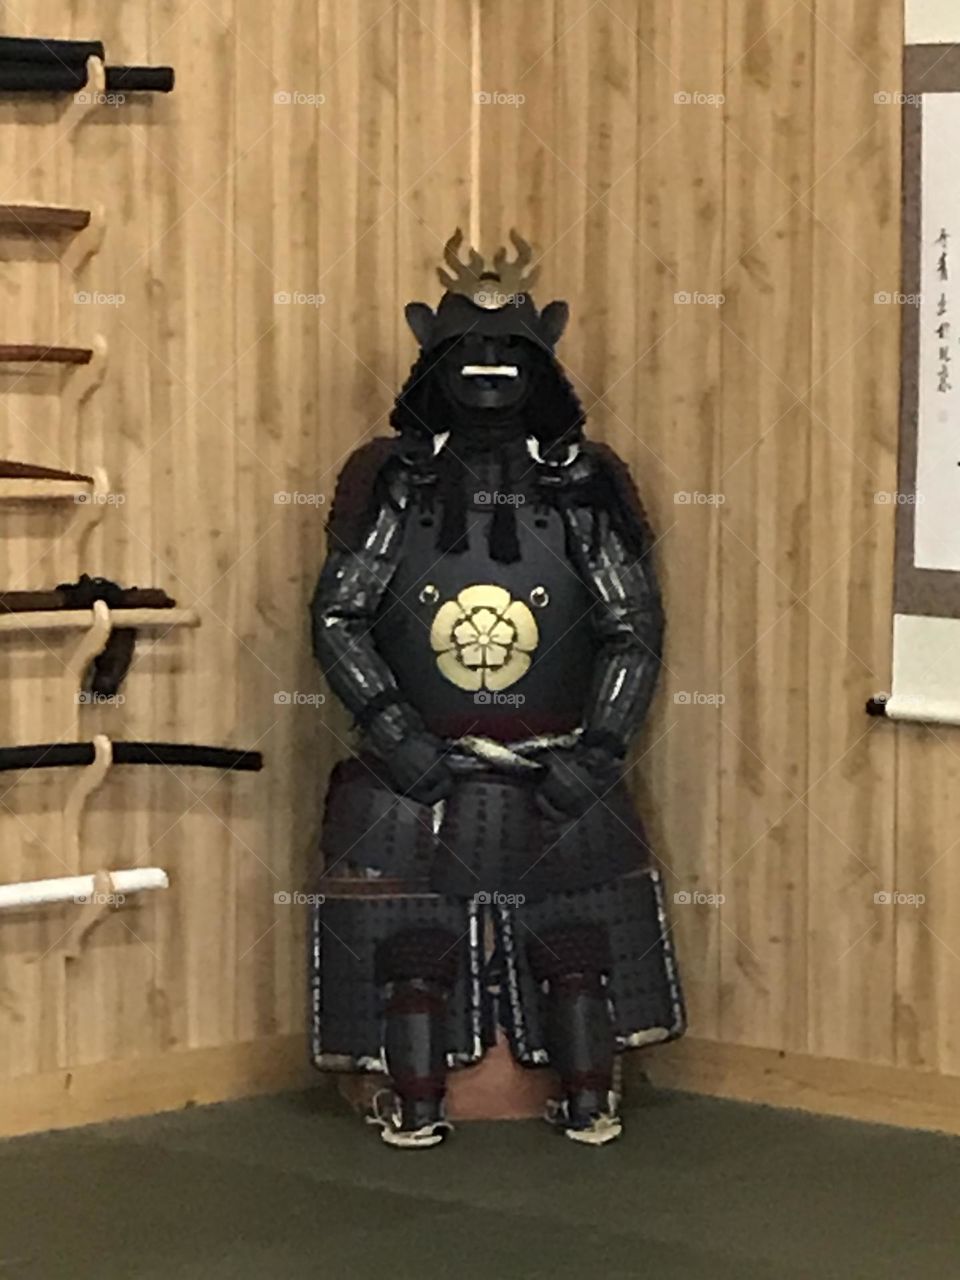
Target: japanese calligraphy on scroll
[937,516]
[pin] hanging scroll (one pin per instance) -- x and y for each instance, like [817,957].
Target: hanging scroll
[926,639]
[932,22]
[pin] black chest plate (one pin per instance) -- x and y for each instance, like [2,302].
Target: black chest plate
[476,646]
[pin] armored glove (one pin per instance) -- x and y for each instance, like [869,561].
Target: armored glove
[576,779]
[413,759]
[417,769]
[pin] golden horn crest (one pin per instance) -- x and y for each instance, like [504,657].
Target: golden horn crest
[488,286]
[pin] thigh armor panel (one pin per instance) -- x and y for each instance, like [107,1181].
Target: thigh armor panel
[349,930]
[642,983]
[489,837]
[494,839]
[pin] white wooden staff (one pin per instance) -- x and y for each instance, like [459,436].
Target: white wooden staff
[81,889]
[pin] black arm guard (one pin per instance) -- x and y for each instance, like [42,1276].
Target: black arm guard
[365,531]
[612,549]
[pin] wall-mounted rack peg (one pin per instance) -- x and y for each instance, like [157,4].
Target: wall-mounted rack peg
[108,642]
[88,91]
[110,889]
[85,366]
[111,616]
[26,482]
[43,218]
[80,232]
[24,485]
[83,380]
[103,891]
[34,353]
[94,894]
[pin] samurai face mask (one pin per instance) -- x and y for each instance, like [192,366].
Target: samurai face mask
[488,341]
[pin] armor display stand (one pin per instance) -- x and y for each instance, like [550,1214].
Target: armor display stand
[497,1089]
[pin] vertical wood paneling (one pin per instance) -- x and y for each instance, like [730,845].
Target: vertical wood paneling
[927,968]
[519,170]
[765,545]
[434,147]
[31,688]
[275,255]
[111,996]
[358,213]
[197,535]
[853,400]
[594,261]
[676,453]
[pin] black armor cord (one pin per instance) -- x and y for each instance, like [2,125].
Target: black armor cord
[504,543]
[452,536]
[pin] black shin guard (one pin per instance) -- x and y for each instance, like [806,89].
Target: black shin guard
[414,1042]
[570,962]
[418,969]
[580,1038]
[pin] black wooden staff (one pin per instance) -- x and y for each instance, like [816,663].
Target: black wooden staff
[140,79]
[58,77]
[58,755]
[31,49]
[41,77]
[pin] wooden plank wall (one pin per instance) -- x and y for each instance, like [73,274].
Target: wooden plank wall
[714,189]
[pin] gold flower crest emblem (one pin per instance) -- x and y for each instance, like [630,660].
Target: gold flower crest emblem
[484,639]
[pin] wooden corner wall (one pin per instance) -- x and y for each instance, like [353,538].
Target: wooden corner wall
[714,188]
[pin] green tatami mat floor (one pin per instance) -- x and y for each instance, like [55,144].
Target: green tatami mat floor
[289,1187]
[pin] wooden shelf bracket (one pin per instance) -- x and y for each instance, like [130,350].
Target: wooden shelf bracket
[87,378]
[87,242]
[88,99]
